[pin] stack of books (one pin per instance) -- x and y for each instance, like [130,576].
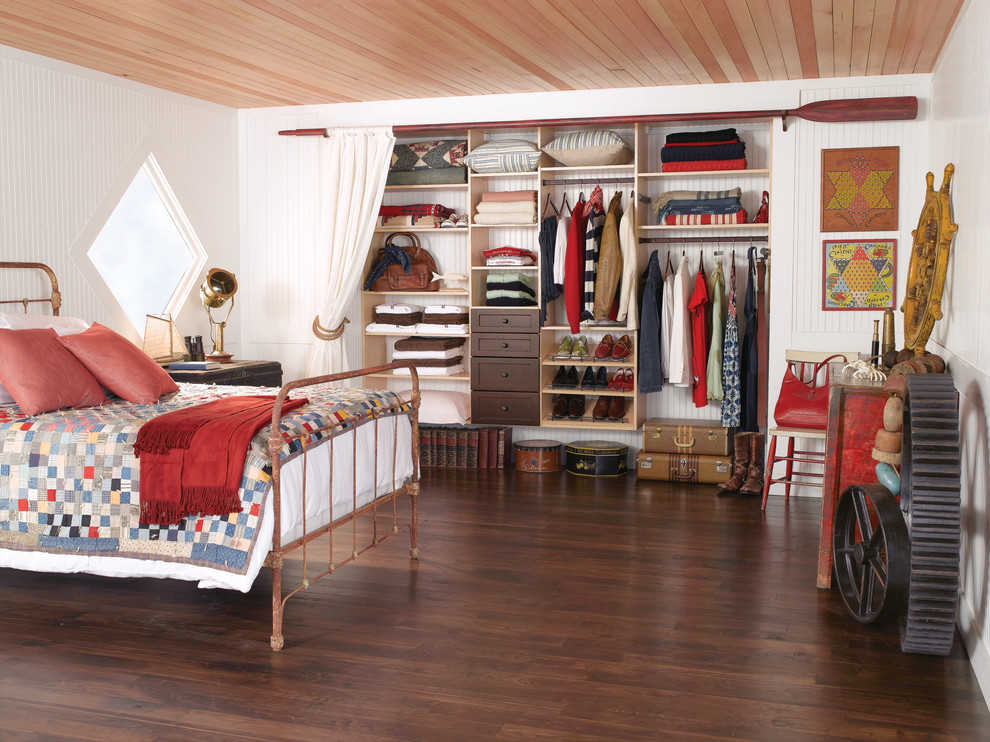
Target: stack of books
[465,446]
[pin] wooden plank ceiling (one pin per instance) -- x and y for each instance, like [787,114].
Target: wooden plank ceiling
[254,53]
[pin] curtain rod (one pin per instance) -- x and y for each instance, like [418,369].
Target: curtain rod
[690,240]
[600,181]
[900,108]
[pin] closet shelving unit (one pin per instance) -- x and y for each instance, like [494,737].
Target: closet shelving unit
[461,250]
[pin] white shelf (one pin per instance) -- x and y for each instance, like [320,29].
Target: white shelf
[762,173]
[441,292]
[431,230]
[390,333]
[428,187]
[709,227]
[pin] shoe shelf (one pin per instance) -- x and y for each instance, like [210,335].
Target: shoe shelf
[589,422]
[588,360]
[587,391]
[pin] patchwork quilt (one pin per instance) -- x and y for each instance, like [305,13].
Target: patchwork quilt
[69,480]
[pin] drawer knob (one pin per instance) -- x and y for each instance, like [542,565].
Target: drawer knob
[504,408]
[505,374]
[505,345]
[505,320]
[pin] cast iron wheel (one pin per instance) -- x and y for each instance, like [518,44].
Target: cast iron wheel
[930,481]
[871,551]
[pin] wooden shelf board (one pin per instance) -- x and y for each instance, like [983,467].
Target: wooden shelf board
[587,422]
[764,172]
[707,227]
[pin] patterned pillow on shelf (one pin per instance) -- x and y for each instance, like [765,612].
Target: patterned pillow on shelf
[590,148]
[428,155]
[504,156]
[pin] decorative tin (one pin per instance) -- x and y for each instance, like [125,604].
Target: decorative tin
[682,467]
[538,456]
[686,436]
[596,458]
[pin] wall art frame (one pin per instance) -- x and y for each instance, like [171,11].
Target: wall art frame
[859,275]
[860,189]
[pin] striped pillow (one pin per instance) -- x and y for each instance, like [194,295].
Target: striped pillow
[504,156]
[590,147]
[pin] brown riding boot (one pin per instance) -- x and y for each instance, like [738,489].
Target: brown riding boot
[740,467]
[754,479]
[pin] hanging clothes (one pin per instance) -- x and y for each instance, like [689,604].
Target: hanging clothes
[700,317]
[730,357]
[749,357]
[627,282]
[609,261]
[574,267]
[761,342]
[716,293]
[680,328]
[667,318]
[560,245]
[547,239]
[650,358]
[595,222]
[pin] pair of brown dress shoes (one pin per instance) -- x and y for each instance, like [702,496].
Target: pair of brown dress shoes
[609,408]
[569,406]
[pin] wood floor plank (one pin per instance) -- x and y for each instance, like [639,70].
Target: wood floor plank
[543,607]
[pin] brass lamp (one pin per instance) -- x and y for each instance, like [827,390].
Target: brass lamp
[218,289]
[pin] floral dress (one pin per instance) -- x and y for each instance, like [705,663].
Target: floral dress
[731,408]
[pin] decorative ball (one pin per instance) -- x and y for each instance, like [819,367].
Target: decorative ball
[888,477]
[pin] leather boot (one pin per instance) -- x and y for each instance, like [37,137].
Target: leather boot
[740,464]
[754,477]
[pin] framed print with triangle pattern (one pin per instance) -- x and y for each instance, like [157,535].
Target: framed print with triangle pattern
[859,275]
[859,189]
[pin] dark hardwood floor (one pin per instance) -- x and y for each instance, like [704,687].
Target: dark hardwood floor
[543,607]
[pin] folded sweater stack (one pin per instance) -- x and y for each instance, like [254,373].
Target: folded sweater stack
[510,289]
[506,207]
[509,256]
[432,356]
[689,151]
[700,207]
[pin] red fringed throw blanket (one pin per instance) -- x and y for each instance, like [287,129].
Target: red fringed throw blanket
[192,459]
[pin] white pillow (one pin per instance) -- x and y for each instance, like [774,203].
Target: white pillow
[590,148]
[504,156]
[441,408]
[61,325]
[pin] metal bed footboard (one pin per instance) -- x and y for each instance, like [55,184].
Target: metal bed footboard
[276,443]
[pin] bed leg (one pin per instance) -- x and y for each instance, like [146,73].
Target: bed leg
[278,641]
[414,521]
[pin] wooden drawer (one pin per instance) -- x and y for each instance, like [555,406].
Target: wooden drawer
[503,319]
[499,345]
[505,408]
[505,374]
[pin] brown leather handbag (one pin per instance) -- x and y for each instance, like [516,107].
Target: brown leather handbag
[394,277]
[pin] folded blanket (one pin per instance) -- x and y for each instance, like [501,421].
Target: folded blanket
[507,251]
[499,207]
[680,137]
[428,344]
[399,308]
[508,196]
[703,152]
[518,291]
[697,165]
[446,319]
[738,217]
[435,363]
[406,355]
[383,327]
[664,198]
[509,261]
[510,277]
[389,318]
[414,210]
[428,371]
[443,309]
[510,301]
[441,329]
[507,217]
[192,459]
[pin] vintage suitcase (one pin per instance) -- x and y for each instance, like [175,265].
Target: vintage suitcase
[683,467]
[686,436]
[596,458]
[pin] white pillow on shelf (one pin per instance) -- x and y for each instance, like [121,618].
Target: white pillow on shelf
[440,407]
[590,148]
[504,156]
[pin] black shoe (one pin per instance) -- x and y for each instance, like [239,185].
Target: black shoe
[559,407]
[572,377]
[560,379]
[588,380]
[575,408]
[601,378]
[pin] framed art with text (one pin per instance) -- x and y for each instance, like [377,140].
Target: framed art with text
[859,189]
[859,275]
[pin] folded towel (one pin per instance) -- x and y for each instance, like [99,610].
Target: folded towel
[430,329]
[399,308]
[443,309]
[508,196]
[411,343]
[499,207]
[397,318]
[508,217]
[405,355]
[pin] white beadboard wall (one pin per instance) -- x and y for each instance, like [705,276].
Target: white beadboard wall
[960,134]
[65,135]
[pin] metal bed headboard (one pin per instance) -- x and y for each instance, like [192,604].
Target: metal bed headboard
[55,300]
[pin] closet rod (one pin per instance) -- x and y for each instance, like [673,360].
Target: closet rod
[586,181]
[690,240]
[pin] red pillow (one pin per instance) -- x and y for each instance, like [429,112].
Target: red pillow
[41,375]
[119,365]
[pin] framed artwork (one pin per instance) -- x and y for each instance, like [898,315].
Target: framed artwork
[858,275]
[859,189]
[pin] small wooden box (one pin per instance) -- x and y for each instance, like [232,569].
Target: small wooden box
[596,458]
[686,436]
[683,467]
[537,456]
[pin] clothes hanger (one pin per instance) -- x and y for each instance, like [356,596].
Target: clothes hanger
[548,204]
[563,205]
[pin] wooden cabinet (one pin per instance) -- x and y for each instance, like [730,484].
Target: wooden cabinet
[505,366]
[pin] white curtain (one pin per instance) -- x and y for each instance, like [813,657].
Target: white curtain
[353,167]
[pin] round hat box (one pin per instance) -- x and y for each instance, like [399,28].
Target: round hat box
[596,458]
[537,456]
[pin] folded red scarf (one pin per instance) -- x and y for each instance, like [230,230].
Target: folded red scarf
[192,460]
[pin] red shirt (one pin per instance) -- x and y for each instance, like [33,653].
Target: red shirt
[700,338]
[574,267]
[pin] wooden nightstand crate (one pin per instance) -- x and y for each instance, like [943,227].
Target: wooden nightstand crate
[236,373]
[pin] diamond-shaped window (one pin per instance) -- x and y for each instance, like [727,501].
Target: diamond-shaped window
[147,252]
